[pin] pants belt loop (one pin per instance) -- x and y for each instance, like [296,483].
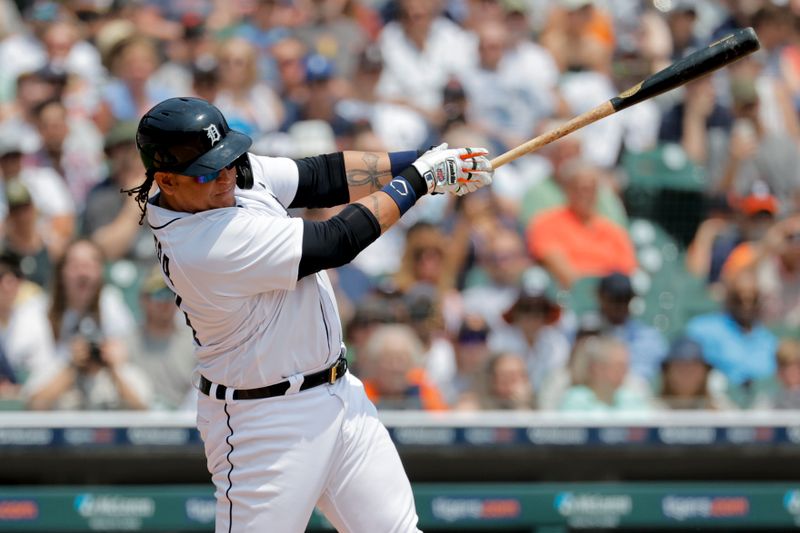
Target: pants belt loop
[295,382]
[229,395]
[212,392]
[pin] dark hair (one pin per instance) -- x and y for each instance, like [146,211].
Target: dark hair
[141,193]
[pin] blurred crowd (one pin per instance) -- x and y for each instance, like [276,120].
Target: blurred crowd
[650,261]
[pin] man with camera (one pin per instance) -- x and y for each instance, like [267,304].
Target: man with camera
[97,376]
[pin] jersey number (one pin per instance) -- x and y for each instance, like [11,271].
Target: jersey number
[163,260]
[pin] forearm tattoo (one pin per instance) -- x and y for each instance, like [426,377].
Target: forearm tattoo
[376,210]
[370,175]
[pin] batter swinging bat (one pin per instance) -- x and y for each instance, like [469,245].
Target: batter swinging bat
[714,56]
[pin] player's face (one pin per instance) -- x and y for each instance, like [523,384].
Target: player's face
[188,194]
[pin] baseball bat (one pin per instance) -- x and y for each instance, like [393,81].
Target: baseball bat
[699,63]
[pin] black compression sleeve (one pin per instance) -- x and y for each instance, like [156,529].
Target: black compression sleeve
[322,181]
[337,241]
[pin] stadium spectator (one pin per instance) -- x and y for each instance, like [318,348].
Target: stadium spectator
[775,259]
[111,219]
[682,23]
[531,332]
[504,385]
[161,346]
[421,51]
[471,355]
[24,236]
[548,192]
[699,123]
[734,341]
[54,208]
[646,345]
[332,30]
[492,285]
[78,293]
[756,152]
[392,372]
[250,104]
[719,235]
[575,241]
[324,92]
[397,126]
[70,146]
[786,393]
[96,377]
[504,102]
[131,60]
[580,36]
[25,340]
[685,378]
[605,387]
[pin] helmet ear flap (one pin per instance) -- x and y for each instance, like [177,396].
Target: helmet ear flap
[244,172]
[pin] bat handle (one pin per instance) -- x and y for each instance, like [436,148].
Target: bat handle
[584,119]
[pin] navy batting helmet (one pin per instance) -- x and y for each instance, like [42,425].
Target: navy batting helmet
[190,136]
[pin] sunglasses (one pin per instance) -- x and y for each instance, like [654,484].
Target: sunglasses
[205,178]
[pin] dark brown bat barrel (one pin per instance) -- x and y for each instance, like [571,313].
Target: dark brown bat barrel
[697,64]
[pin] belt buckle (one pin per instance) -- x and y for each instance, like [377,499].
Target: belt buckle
[333,374]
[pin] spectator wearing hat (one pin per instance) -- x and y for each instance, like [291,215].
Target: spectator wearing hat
[531,331]
[682,23]
[26,344]
[325,89]
[685,379]
[775,260]
[333,30]
[392,371]
[646,345]
[471,356]
[719,235]
[604,386]
[162,346]
[734,340]
[249,104]
[54,207]
[575,241]
[111,219]
[23,234]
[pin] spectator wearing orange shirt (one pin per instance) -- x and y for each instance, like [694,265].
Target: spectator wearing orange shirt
[392,370]
[575,241]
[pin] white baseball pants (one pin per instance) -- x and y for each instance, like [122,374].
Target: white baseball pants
[273,460]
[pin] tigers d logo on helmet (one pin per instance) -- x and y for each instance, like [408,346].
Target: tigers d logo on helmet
[213,134]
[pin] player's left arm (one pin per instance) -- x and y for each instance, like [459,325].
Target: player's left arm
[343,177]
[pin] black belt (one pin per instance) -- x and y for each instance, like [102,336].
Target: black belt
[329,375]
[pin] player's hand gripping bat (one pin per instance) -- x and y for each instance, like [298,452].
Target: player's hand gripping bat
[697,64]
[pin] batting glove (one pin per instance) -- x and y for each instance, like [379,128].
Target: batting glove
[456,171]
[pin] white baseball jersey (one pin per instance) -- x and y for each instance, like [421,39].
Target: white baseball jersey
[234,271]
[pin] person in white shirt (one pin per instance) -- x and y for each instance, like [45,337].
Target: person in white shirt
[285,426]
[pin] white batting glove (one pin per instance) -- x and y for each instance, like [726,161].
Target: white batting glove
[456,171]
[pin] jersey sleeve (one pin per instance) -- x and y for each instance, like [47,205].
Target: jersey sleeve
[279,175]
[240,253]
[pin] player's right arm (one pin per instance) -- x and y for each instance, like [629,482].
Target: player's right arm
[340,239]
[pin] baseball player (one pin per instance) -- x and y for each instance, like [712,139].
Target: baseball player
[285,426]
